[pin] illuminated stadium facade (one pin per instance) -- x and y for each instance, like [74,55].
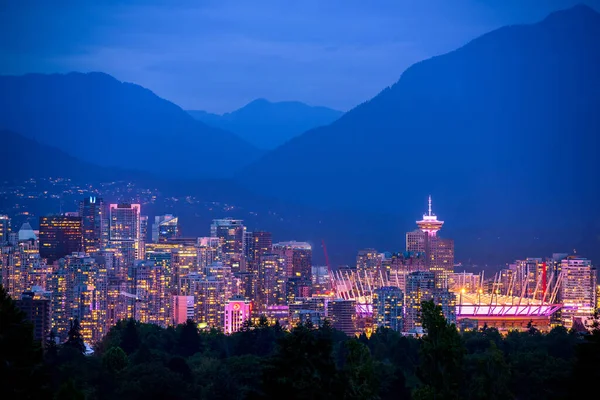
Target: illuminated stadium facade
[475,307]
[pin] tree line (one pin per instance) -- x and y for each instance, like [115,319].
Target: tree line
[142,361]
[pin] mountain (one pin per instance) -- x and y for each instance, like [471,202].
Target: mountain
[269,124]
[503,132]
[111,123]
[28,159]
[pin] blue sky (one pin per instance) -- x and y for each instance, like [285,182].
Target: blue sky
[220,55]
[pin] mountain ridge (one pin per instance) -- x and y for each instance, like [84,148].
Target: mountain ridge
[124,125]
[269,124]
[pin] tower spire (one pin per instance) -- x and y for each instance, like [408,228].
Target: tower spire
[430,223]
[430,205]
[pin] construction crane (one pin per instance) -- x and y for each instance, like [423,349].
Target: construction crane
[329,271]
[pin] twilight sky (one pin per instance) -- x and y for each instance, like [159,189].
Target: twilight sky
[218,55]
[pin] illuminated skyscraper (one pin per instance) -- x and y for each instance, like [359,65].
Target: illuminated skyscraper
[342,314]
[60,235]
[162,255]
[210,291]
[439,252]
[165,227]
[237,311]
[125,232]
[79,290]
[184,262]
[257,244]
[4,229]
[149,284]
[577,290]
[209,251]
[271,287]
[231,234]
[21,269]
[143,236]
[388,304]
[368,261]
[91,211]
[420,287]
[298,258]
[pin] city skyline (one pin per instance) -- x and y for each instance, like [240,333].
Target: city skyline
[314,200]
[237,274]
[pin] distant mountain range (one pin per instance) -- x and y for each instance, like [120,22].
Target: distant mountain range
[110,123]
[268,124]
[503,132]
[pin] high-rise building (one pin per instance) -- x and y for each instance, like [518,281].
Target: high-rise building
[60,235]
[439,252]
[164,228]
[4,229]
[237,310]
[420,287]
[298,258]
[211,289]
[209,251]
[184,262]
[38,312]
[79,288]
[271,282]
[388,303]
[257,243]
[368,263]
[149,284]
[342,314]
[143,236]
[91,211]
[125,232]
[577,290]
[447,301]
[231,233]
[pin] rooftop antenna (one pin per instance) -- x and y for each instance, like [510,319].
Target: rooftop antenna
[430,205]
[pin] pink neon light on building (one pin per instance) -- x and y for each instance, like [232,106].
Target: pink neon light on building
[237,310]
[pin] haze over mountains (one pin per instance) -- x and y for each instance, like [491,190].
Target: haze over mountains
[111,123]
[268,124]
[503,132]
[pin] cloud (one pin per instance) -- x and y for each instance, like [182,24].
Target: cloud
[218,55]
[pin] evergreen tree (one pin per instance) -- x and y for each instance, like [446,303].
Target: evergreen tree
[189,339]
[130,339]
[441,356]
[20,355]
[302,367]
[115,360]
[358,377]
[74,337]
